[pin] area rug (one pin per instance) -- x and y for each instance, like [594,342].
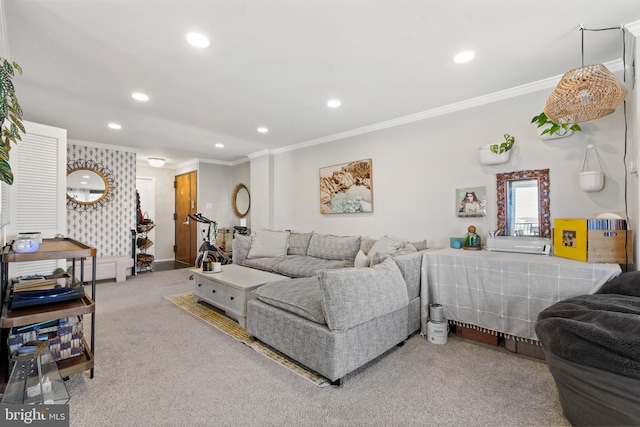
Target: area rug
[232,329]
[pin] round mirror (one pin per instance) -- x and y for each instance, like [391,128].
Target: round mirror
[86,186]
[241,200]
[90,185]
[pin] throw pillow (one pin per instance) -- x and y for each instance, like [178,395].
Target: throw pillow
[385,245]
[341,248]
[299,243]
[352,296]
[361,260]
[268,244]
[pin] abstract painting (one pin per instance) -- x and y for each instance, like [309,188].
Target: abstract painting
[346,188]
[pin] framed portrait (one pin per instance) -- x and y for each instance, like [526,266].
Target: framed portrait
[346,188]
[471,202]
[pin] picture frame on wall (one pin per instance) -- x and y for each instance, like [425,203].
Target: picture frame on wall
[471,202]
[347,188]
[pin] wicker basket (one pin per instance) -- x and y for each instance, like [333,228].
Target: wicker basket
[144,259]
[144,228]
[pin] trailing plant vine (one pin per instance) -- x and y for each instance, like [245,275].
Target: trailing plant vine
[10,117]
[505,146]
[554,127]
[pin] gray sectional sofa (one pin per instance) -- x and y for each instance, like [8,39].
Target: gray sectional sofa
[351,299]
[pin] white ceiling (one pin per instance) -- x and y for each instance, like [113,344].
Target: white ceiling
[276,63]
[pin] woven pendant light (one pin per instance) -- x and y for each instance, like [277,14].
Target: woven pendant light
[584,94]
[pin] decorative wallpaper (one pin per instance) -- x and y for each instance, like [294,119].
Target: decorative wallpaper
[108,229]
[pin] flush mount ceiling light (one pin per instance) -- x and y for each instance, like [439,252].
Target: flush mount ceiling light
[463,57]
[334,103]
[263,130]
[219,145]
[156,162]
[198,40]
[586,93]
[115,126]
[139,96]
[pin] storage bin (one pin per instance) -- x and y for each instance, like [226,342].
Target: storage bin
[65,340]
[573,239]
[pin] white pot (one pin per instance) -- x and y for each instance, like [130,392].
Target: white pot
[560,134]
[591,180]
[488,157]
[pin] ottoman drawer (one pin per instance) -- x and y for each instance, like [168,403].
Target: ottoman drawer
[234,300]
[209,290]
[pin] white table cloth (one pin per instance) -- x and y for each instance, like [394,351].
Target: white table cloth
[503,293]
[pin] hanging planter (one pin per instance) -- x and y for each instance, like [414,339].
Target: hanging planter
[497,154]
[591,180]
[550,130]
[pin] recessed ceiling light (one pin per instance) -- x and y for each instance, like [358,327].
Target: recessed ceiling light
[138,96]
[198,40]
[83,182]
[334,103]
[114,126]
[219,145]
[463,57]
[263,130]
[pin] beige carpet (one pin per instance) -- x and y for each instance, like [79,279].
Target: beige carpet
[232,329]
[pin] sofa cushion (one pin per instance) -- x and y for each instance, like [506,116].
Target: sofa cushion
[306,266]
[299,243]
[267,244]
[410,265]
[266,264]
[327,246]
[298,296]
[353,296]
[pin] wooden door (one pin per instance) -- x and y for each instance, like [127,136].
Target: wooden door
[186,235]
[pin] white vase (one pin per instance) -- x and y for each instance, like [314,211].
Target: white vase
[488,157]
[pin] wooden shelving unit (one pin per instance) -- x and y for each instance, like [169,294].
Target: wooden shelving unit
[10,318]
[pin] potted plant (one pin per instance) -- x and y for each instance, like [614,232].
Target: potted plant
[496,154]
[10,117]
[552,129]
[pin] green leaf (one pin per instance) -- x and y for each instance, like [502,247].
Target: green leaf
[17,67]
[5,172]
[494,148]
[7,67]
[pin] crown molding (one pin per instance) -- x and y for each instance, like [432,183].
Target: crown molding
[633,28]
[265,152]
[548,83]
[101,145]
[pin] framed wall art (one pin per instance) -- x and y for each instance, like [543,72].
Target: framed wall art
[346,188]
[471,202]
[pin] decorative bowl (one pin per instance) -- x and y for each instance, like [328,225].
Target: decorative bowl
[25,245]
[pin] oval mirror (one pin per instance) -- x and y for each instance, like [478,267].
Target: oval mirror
[523,203]
[241,200]
[86,186]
